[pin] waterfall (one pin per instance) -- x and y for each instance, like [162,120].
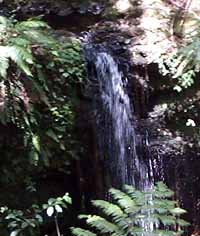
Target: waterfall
[114,122]
[122,150]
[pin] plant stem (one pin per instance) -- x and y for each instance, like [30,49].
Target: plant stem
[57,227]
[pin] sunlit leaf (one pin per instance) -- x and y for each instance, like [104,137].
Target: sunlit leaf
[58,209]
[50,211]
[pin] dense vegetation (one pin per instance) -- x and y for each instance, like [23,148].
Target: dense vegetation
[39,75]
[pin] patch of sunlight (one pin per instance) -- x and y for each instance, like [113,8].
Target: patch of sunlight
[123,5]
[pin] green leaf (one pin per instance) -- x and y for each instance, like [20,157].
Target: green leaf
[45,206]
[36,142]
[31,24]
[177,88]
[168,220]
[39,218]
[58,209]
[3,20]
[39,37]
[50,133]
[178,211]
[182,222]
[67,198]
[81,232]
[51,201]
[15,232]
[50,211]
[4,64]
[34,157]
[21,57]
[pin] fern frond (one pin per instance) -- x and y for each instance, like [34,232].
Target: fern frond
[178,211]
[136,231]
[17,54]
[81,232]
[124,201]
[4,63]
[168,204]
[114,211]
[138,196]
[101,224]
[168,220]
[3,66]
[4,23]
[20,53]
[21,57]
[24,25]
[19,41]
[39,37]
[166,233]
[161,191]
[4,20]
[182,222]
[108,208]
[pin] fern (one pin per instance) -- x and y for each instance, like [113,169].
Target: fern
[109,209]
[101,224]
[82,232]
[38,37]
[4,24]
[129,211]
[31,23]
[4,63]
[17,40]
[29,56]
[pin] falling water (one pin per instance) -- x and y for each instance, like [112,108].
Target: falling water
[114,122]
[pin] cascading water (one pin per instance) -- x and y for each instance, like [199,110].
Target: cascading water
[114,124]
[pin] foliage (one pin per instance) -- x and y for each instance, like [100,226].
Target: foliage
[40,71]
[133,212]
[183,62]
[27,222]
[56,205]
[180,68]
[39,74]
[172,65]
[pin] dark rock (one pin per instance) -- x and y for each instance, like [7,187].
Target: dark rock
[65,12]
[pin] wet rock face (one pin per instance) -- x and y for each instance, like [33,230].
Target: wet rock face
[182,175]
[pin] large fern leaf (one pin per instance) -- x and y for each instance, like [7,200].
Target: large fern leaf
[119,217]
[37,24]
[21,57]
[101,224]
[81,232]
[108,208]
[38,37]
[125,201]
